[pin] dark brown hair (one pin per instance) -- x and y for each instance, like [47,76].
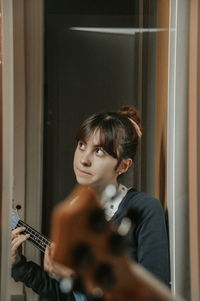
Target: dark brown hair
[118,133]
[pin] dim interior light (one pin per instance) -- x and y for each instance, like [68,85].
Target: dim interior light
[123,31]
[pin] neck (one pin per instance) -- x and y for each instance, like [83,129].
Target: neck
[101,188]
[39,240]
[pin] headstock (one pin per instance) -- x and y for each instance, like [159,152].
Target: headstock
[88,244]
[15,219]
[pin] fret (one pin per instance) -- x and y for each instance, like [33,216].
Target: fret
[40,241]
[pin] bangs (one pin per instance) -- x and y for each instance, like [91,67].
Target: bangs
[109,136]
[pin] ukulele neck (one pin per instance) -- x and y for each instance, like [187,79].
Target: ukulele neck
[38,240]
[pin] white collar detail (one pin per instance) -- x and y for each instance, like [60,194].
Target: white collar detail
[110,206]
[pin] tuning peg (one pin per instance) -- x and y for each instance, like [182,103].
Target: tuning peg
[124,226]
[117,244]
[110,191]
[18,207]
[104,275]
[66,284]
[82,255]
[96,295]
[97,220]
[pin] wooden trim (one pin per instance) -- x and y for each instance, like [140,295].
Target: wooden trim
[7,175]
[1,123]
[177,185]
[22,123]
[162,101]
[194,147]
[19,118]
[19,104]
[33,10]
[34,109]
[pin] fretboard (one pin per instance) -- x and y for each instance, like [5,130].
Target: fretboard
[38,240]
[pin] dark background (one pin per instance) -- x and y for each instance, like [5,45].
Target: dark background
[87,72]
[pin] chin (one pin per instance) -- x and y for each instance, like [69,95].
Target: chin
[82,181]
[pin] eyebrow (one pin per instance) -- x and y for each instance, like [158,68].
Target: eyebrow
[95,145]
[98,145]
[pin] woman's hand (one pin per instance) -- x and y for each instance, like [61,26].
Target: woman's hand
[16,245]
[55,270]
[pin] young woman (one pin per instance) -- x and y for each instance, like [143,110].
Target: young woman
[106,147]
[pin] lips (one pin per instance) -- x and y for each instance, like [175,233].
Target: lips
[83,172]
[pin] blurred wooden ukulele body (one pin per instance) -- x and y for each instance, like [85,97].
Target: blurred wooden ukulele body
[88,244]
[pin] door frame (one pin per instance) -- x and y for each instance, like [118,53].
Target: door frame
[22,47]
[194,147]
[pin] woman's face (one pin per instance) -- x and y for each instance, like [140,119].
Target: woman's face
[93,165]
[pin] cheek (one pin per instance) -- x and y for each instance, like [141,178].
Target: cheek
[75,157]
[112,170]
[107,170]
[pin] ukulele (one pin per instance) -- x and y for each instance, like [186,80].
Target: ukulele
[91,246]
[40,241]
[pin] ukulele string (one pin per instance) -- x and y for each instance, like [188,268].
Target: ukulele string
[35,238]
[40,241]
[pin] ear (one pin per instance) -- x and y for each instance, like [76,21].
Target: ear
[124,165]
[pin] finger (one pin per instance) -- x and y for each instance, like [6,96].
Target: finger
[47,251]
[47,260]
[50,248]
[52,245]
[61,270]
[14,236]
[20,239]
[17,241]
[53,275]
[47,254]
[51,271]
[19,236]
[46,263]
[18,231]
[48,266]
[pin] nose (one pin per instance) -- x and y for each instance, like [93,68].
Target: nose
[85,159]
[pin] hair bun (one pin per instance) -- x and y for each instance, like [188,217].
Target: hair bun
[132,113]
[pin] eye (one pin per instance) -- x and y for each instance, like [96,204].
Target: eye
[100,152]
[81,145]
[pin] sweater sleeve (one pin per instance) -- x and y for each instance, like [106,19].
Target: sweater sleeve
[152,240]
[33,276]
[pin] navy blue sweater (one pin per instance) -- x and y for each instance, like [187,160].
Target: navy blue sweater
[148,240]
